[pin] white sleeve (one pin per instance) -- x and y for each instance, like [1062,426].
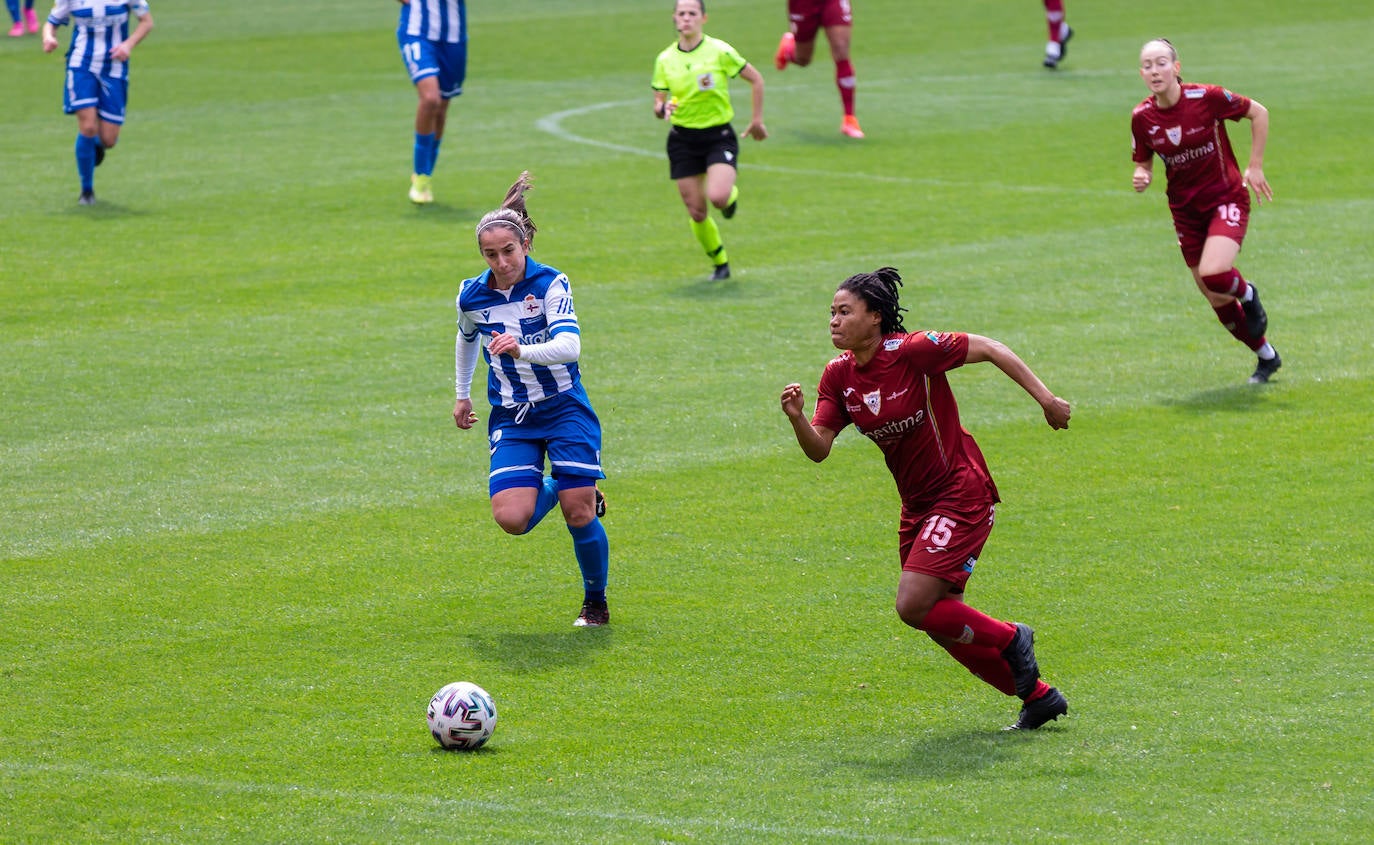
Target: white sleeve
[465,349]
[564,348]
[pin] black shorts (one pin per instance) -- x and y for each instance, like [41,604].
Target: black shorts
[691,151]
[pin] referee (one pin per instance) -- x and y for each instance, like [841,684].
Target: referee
[691,91]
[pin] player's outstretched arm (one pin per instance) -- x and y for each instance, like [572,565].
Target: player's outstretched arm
[986,349]
[1253,177]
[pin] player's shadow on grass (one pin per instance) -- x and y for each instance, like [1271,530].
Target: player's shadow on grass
[442,213]
[706,288]
[103,209]
[533,651]
[1235,397]
[942,756]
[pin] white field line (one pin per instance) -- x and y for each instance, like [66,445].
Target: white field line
[553,124]
[445,807]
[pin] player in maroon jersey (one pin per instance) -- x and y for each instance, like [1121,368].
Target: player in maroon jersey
[1057,48]
[798,45]
[1184,124]
[892,387]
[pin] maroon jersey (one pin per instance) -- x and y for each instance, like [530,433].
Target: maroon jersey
[902,401]
[1191,139]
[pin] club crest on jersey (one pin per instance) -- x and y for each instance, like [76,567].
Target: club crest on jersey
[531,304]
[892,343]
[874,401]
[1174,134]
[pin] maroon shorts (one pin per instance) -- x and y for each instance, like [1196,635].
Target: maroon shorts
[808,16]
[1228,220]
[946,540]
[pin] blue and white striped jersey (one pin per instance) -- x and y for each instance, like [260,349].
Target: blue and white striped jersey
[535,310]
[435,20]
[97,27]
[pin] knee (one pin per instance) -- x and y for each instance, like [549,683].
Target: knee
[511,520]
[431,103]
[912,610]
[579,510]
[512,526]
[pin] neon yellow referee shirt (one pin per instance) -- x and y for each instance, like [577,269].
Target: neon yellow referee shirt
[699,81]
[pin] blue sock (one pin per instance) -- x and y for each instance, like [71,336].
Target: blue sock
[424,153]
[434,153]
[593,553]
[85,161]
[14,9]
[548,497]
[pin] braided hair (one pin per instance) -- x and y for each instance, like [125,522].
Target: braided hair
[512,213]
[878,290]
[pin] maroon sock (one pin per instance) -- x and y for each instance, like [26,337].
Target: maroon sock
[956,621]
[844,80]
[1231,283]
[986,664]
[1232,318]
[1054,16]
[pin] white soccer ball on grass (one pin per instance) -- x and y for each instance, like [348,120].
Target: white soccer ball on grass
[461,716]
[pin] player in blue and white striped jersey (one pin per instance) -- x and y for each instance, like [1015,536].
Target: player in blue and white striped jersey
[520,313]
[97,86]
[433,37]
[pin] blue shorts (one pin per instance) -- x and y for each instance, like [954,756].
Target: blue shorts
[426,58]
[564,427]
[85,90]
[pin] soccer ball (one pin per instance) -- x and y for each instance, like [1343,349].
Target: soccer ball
[462,716]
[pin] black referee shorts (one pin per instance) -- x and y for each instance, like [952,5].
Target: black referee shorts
[691,151]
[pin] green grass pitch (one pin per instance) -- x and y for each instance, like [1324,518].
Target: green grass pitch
[242,542]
